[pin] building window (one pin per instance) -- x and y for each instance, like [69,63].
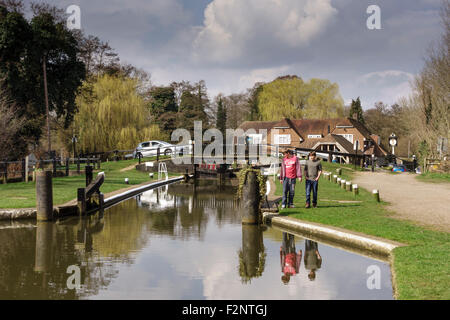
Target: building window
[282,139]
[314,136]
[255,138]
[349,137]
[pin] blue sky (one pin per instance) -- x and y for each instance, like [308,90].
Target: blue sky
[231,44]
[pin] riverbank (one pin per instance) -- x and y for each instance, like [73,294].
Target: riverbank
[420,269]
[23,195]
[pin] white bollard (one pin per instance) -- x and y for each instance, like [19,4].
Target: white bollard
[376,195]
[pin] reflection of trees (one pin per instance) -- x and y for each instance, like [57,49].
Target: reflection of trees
[36,261]
[123,232]
[252,256]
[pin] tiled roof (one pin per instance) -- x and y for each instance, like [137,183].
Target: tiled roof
[257,125]
[331,139]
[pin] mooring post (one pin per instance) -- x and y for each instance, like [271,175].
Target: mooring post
[343,184]
[81,201]
[250,199]
[334,178]
[157,155]
[78,164]
[44,196]
[88,172]
[339,171]
[376,195]
[186,176]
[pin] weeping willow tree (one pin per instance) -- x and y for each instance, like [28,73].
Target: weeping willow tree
[291,97]
[282,98]
[112,115]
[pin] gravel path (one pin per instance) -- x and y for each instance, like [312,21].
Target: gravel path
[410,199]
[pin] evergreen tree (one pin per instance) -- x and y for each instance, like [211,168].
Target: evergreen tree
[221,122]
[357,109]
[163,107]
[23,47]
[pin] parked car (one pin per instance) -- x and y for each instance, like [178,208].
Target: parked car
[150,149]
[399,168]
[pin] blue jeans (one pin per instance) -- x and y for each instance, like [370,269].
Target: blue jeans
[288,191]
[314,185]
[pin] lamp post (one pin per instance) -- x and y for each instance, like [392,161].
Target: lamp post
[356,150]
[373,162]
[74,142]
[393,142]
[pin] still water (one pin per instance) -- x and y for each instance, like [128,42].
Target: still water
[178,242]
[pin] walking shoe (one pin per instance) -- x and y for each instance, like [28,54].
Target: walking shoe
[283,206]
[315,205]
[307,205]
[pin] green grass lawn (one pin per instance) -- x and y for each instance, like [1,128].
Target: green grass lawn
[434,177]
[23,195]
[421,268]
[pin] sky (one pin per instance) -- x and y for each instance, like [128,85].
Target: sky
[231,44]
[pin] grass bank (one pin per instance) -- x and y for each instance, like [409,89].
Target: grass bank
[23,195]
[434,177]
[421,269]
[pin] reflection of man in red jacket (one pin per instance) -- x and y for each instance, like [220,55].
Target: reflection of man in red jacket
[289,258]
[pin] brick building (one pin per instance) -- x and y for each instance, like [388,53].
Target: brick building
[339,135]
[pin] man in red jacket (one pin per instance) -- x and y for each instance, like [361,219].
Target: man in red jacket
[290,171]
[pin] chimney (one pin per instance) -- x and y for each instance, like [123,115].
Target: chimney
[329,129]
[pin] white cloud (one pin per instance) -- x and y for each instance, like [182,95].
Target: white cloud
[233,28]
[261,75]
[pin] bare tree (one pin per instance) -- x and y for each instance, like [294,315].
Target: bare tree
[12,144]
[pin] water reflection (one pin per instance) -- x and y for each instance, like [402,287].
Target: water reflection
[252,256]
[184,241]
[290,259]
[313,259]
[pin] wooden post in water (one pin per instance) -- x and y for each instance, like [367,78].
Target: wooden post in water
[78,165]
[343,184]
[339,171]
[88,172]
[355,189]
[376,195]
[81,201]
[44,196]
[335,178]
[250,199]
